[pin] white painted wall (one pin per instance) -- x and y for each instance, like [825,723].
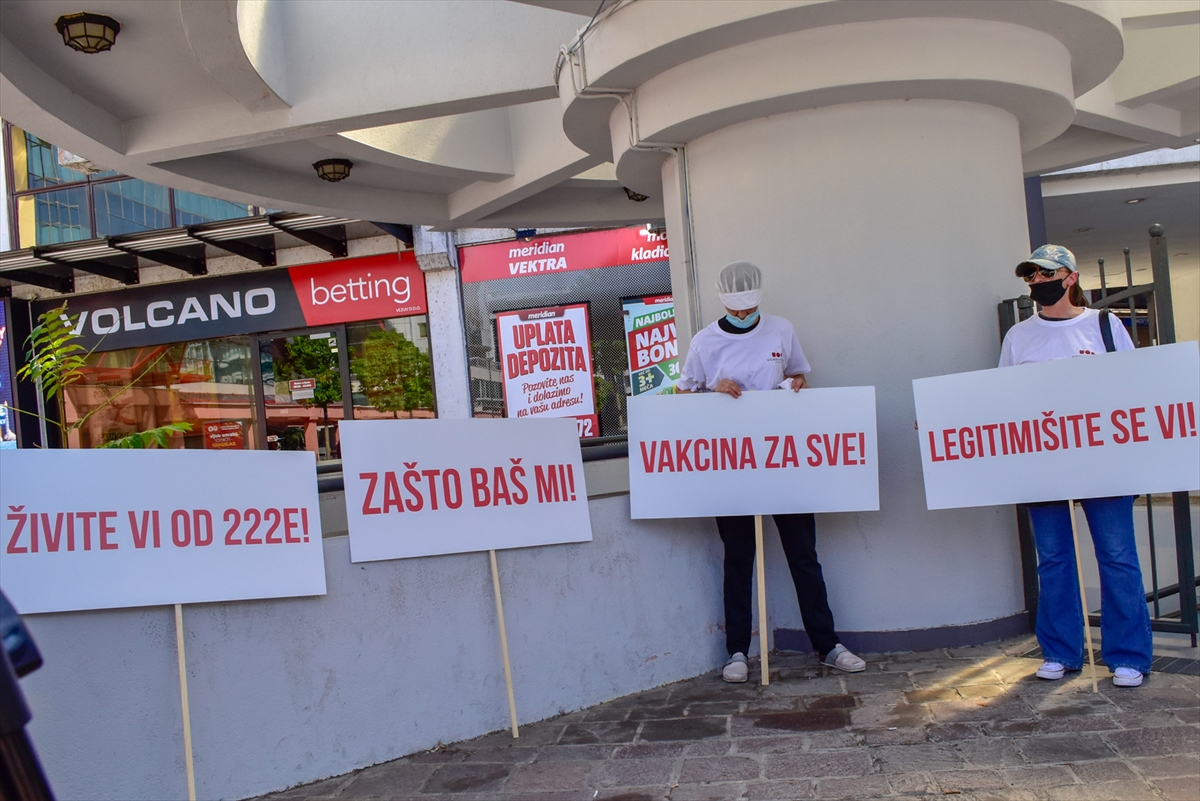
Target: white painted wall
[397,657]
[888,241]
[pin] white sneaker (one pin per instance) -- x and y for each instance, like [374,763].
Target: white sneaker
[735,671]
[1127,677]
[1051,671]
[841,658]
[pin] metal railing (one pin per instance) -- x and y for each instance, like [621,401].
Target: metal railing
[1150,304]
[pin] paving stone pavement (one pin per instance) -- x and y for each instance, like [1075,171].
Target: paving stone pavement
[968,723]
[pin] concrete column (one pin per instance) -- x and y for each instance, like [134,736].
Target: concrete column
[890,268]
[438,259]
[868,157]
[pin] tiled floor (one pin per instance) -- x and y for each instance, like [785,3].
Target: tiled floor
[970,723]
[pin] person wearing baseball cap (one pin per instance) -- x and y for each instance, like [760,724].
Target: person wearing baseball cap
[750,350]
[1065,328]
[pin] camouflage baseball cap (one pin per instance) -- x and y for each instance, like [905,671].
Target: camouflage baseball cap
[1052,257]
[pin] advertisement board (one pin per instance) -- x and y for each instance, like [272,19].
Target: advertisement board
[560,253]
[347,290]
[546,358]
[225,435]
[775,452]
[651,344]
[99,529]
[1110,424]
[426,487]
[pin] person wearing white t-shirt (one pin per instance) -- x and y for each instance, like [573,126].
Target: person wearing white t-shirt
[1065,328]
[747,350]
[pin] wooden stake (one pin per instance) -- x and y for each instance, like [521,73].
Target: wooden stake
[1087,628]
[764,644]
[183,695]
[512,703]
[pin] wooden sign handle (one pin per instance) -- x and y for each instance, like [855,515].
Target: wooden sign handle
[764,638]
[183,695]
[1087,628]
[512,703]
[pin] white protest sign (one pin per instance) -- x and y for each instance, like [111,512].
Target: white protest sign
[774,452]
[546,358]
[98,529]
[1111,424]
[425,487]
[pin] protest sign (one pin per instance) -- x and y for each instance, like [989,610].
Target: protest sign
[419,488]
[546,357]
[651,344]
[771,452]
[1111,424]
[98,529]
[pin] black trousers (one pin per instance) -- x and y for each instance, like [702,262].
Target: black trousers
[798,534]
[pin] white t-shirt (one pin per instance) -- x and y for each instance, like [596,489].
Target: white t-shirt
[757,360]
[1038,340]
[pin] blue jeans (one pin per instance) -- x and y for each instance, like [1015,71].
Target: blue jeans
[1124,620]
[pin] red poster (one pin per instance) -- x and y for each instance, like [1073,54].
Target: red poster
[225,435]
[368,288]
[562,253]
[546,358]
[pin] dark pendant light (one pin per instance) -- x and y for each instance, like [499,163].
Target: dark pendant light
[333,170]
[87,32]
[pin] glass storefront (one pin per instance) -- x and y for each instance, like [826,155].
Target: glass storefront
[294,404]
[391,374]
[524,278]
[209,384]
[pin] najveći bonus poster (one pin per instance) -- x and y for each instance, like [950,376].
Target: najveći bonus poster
[652,345]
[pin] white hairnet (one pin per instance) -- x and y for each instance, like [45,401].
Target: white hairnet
[740,286]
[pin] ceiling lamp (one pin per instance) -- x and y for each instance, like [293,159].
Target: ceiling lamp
[333,170]
[634,196]
[88,33]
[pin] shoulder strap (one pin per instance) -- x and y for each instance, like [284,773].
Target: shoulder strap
[1106,330]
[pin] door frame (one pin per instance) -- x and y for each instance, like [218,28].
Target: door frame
[260,402]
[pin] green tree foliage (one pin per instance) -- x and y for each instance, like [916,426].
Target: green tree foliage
[55,360]
[395,375]
[317,359]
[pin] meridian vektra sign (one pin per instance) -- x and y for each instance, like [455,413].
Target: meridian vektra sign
[367,288]
[562,253]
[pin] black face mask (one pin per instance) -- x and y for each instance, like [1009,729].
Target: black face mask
[1047,293]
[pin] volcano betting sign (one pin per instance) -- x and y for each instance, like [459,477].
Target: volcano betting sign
[547,362]
[1112,424]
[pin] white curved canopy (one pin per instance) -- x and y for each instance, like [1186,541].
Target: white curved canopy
[449,109]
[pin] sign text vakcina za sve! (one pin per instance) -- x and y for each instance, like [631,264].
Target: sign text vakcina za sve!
[774,452]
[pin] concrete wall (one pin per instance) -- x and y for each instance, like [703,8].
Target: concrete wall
[397,657]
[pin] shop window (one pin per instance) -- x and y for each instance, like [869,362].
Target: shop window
[206,383]
[48,218]
[191,209]
[302,392]
[602,289]
[125,207]
[391,375]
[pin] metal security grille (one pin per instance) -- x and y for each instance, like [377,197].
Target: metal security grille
[602,289]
